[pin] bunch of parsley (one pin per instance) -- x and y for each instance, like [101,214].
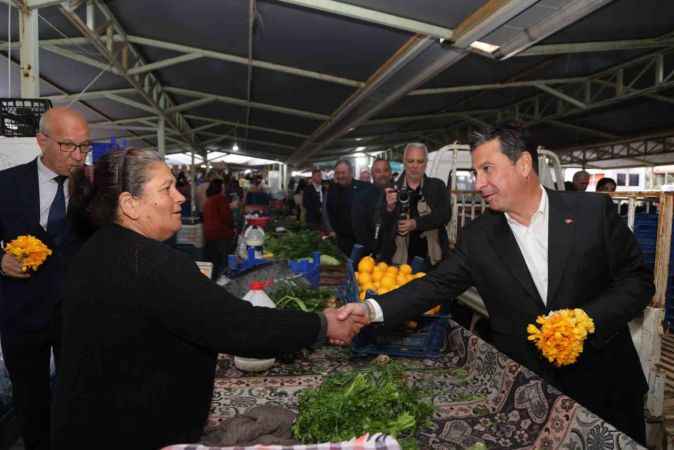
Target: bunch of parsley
[372,400]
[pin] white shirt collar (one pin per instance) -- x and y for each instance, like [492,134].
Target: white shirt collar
[540,212]
[44,173]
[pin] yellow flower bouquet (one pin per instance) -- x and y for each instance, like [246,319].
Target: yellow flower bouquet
[561,335]
[29,250]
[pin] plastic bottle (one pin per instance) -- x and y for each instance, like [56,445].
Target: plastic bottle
[258,297]
[254,238]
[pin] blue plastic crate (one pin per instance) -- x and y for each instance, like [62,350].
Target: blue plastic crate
[427,341]
[237,267]
[311,271]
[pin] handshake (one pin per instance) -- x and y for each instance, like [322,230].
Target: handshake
[346,322]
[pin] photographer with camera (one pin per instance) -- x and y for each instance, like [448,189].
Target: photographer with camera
[417,210]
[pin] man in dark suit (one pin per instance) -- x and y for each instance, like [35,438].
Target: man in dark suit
[313,197]
[371,232]
[339,204]
[33,200]
[538,251]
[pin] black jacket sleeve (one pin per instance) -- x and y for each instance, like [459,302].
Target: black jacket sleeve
[190,305]
[631,287]
[443,284]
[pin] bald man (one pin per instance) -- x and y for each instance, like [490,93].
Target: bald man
[33,200]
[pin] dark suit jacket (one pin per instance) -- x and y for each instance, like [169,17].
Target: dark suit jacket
[28,304]
[594,264]
[312,203]
[342,221]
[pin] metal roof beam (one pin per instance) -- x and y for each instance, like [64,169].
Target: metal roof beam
[254,141]
[32,4]
[570,12]
[164,63]
[594,47]
[89,95]
[252,127]
[496,86]
[373,16]
[561,95]
[149,88]
[416,62]
[586,130]
[191,105]
[240,102]
[240,60]
[132,103]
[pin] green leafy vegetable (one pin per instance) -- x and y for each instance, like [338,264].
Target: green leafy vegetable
[300,244]
[372,400]
[289,294]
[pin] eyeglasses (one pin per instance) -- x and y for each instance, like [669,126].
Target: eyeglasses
[69,147]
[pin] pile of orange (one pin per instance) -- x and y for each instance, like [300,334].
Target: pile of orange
[380,278]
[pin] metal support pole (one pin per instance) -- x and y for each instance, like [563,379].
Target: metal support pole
[161,137]
[91,15]
[193,182]
[30,54]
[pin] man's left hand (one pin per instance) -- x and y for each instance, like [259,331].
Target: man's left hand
[407,225]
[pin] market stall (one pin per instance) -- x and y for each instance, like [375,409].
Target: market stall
[480,396]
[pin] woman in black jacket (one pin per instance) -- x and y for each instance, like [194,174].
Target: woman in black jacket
[142,325]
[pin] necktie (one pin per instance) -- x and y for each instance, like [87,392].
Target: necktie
[57,211]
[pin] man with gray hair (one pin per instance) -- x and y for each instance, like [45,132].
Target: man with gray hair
[417,211]
[339,204]
[581,180]
[534,252]
[33,200]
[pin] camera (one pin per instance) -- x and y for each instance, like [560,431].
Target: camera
[404,196]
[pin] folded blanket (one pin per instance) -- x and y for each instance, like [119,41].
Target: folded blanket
[266,425]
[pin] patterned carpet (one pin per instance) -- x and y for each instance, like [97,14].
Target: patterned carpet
[480,395]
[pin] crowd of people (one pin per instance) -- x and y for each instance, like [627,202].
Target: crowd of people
[135,328]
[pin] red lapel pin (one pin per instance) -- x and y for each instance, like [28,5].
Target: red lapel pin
[568,221]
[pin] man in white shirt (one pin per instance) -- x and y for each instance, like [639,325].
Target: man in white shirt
[538,251]
[33,200]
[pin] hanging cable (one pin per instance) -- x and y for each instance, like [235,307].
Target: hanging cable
[83,51]
[76,99]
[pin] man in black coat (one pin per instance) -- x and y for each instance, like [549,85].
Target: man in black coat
[313,197]
[339,204]
[538,251]
[370,230]
[33,200]
[425,234]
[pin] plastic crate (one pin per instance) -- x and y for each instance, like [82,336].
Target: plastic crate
[311,271]
[427,341]
[20,117]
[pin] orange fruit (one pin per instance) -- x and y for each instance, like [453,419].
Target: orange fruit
[419,274]
[364,278]
[377,275]
[388,282]
[366,265]
[382,266]
[405,269]
[401,279]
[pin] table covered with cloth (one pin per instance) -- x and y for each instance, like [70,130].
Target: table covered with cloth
[480,396]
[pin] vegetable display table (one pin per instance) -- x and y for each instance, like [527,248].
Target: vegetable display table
[480,395]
